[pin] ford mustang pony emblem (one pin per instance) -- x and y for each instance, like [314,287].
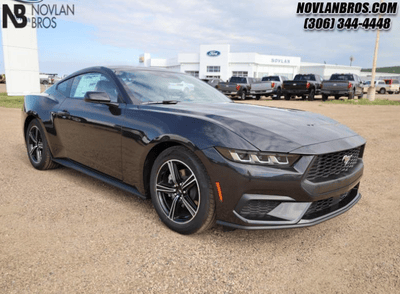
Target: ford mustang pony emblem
[346,159]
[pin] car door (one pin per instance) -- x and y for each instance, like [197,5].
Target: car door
[91,132]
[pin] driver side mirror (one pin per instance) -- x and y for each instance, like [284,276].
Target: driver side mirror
[99,97]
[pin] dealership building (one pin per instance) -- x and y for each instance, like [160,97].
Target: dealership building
[217,61]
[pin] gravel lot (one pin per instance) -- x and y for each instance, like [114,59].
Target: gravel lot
[64,232]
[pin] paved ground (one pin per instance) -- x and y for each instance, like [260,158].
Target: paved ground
[63,232]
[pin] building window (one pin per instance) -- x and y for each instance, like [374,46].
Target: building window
[213,77]
[240,73]
[213,68]
[193,73]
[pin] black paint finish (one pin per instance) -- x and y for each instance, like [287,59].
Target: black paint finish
[119,142]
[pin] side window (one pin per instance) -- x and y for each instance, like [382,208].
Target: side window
[64,88]
[93,82]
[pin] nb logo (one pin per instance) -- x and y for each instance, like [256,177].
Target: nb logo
[18,14]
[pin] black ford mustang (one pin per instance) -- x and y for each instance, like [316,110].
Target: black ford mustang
[200,157]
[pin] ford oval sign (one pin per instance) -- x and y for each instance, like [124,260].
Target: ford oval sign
[213,53]
[29,1]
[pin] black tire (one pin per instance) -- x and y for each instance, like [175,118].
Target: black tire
[278,94]
[287,96]
[361,96]
[177,209]
[303,97]
[45,83]
[351,95]
[324,97]
[311,95]
[390,92]
[258,97]
[38,149]
[337,97]
[382,91]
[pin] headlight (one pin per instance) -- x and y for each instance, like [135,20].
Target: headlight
[261,158]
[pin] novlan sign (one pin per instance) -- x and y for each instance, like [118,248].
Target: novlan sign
[213,53]
[280,60]
[45,14]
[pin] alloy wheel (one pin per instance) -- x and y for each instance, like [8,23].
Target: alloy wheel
[35,144]
[178,191]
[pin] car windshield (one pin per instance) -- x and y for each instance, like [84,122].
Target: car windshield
[159,86]
[268,79]
[342,78]
[304,78]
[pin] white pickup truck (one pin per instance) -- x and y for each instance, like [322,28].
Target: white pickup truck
[48,79]
[390,86]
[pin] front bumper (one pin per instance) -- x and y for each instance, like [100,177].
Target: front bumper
[294,213]
[261,197]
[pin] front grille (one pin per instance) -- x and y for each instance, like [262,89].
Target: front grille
[330,164]
[321,205]
[258,209]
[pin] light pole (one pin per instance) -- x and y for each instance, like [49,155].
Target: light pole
[371,89]
[351,59]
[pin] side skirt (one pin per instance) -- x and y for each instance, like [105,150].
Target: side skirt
[102,177]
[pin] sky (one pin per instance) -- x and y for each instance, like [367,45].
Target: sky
[116,32]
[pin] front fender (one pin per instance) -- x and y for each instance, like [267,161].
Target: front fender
[145,130]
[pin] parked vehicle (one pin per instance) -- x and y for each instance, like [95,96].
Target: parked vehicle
[213,82]
[348,85]
[392,86]
[44,79]
[383,86]
[2,78]
[243,87]
[366,85]
[54,79]
[380,86]
[303,85]
[47,79]
[198,156]
[277,82]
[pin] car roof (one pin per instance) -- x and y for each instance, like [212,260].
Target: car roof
[118,68]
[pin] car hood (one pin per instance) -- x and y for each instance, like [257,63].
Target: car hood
[268,128]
